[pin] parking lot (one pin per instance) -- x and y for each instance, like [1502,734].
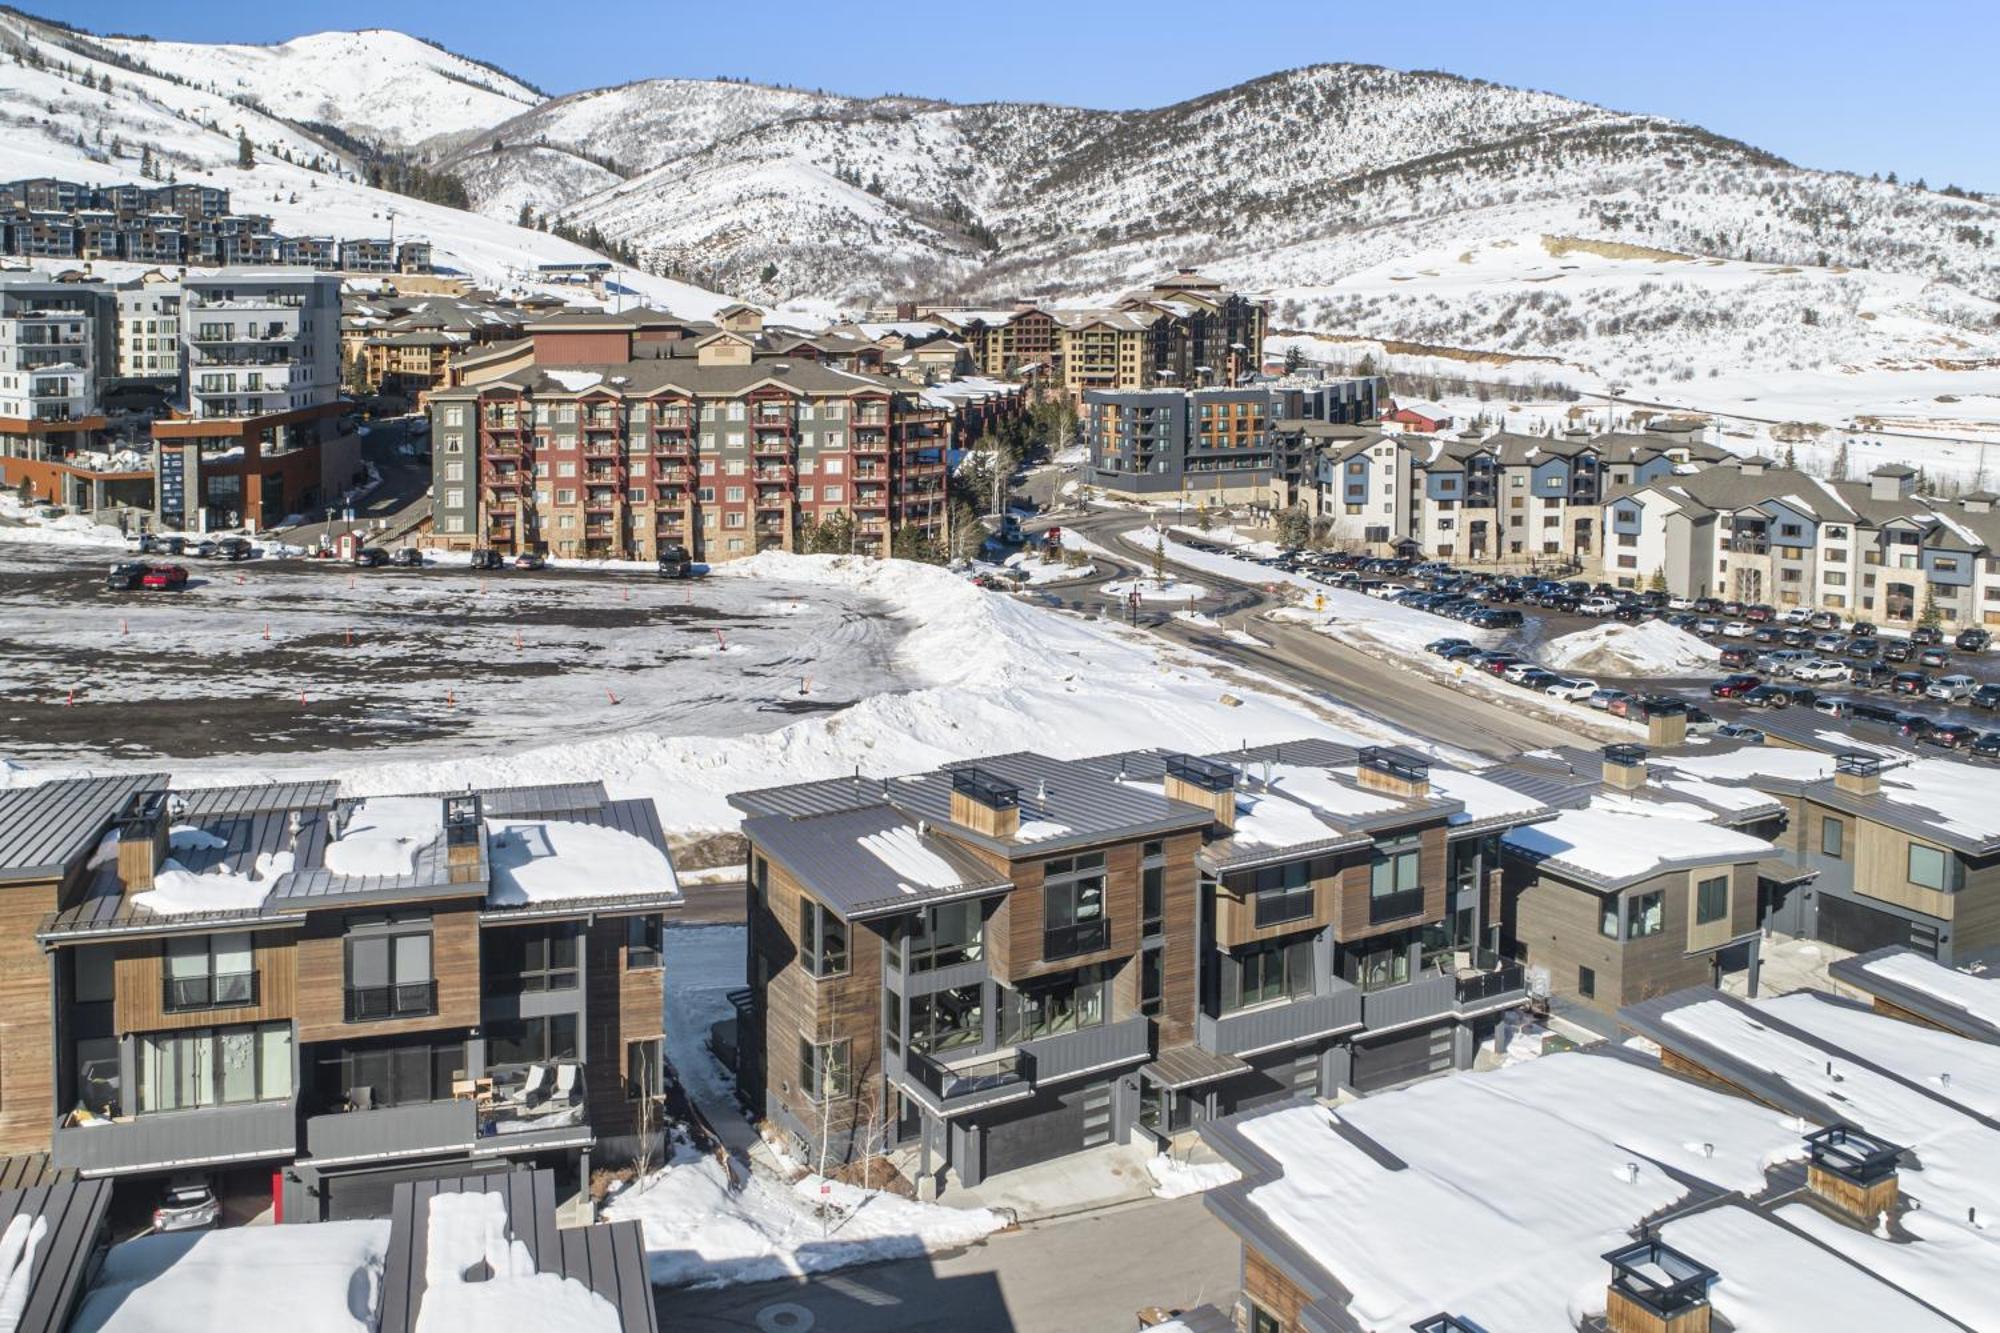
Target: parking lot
[276,655]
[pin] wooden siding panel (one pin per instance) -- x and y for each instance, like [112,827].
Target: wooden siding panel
[140,968]
[321,981]
[27,1053]
[1272,1291]
[1350,915]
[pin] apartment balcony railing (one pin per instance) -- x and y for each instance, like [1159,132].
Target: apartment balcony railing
[1484,988]
[1749,546]
[390,1131]
[1067,1053]
[1430,995]
[1280,1023]
[226,990]
[1081,938]
[179,1140]
[1394,906]
[375,1004]
[969,1083]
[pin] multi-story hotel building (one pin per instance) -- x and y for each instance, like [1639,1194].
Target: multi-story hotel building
[1005,961]
[322,995]
[602,434]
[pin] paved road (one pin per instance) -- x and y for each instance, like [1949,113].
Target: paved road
[1092,1272]
[404,483]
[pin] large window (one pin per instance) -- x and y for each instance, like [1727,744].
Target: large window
[1832,835]
[1073,906]
[944,936]
[1152,980]
[1645,914]
[1283,893]
[183,1071]
[1054,1005]
[824,1070]
[822,940]
[1711,900]
[527,1041]
[528,960]
[645,942]
[209,972]
[1152,889]
[1265,972]
[1928,868]
[389,967]
[1607,918]
[1394,885]
[948,1019]
[394,1072]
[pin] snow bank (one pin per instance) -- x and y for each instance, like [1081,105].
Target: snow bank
[384,835]
[1649,648]
[1152,590]
[1174,1179]
[324,1278]
[26,524]
[556,860]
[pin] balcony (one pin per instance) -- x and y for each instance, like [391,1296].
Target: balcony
[972,1082]
[392,1131]
[1395,906]
[1070,1053]
[160,1140]
[1280,1024]
[229,990]
[380,1004]
[1071,941]
[1429,996]
[1503,985]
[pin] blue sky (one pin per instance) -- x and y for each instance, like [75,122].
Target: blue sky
[1912,88]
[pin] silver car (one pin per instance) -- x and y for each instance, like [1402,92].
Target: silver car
[188,1205]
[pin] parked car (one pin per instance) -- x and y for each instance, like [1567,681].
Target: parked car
[1870,675]
[1495,617]
[171,578]
[125,576]
[1833,705]
[234,548]
[1464,650]
[1596,606]
[1987,746]
[1701,722]
[1736,629]
[1829,644]
[371,557]
[676,563]
[1819,669]
[188,1204]
[1862,629]
[1575,691]
[1513,671]
[1950,736]
[1737,657]
[1951,688]
[1768,696]
[1881,714]
[1898,650]
[1537,679]
[1934,656]
[1909,682]
[1440,647]
[1973,640]
[1759,614]
[1986,697]
[1736,731]
[1862,649]
[205,549]
[485,557]
[407,557]
[1823,620]
[1604,698]
[529,560]
[1914,726]
[1924,636]
[1708,625]
[1781,661]
[1735,687]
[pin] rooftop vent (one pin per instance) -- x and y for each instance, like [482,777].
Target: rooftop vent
[142,839]
[1625,766]
[1203,782]
[1857,773]
[1445,1323]
[1853,1171]
[985,802]
[1397,772]
[1657,1289]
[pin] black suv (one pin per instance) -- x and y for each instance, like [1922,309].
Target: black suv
[1973,640]
[125,576]
[675,562]
[407,557]
[485,557]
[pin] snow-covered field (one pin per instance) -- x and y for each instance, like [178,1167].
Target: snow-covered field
[980,674]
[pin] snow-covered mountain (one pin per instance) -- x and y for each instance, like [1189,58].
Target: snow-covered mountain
[383,87]
[73,108]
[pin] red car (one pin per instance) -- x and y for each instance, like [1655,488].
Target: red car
[1734,687]
[170,577]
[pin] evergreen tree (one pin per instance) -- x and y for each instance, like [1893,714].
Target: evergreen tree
[1791,459]
[527,218]
[1160,559]
[1294,359]
[1930,616]
[1294,528]
[244,157]
[1840,463]
[1658,583]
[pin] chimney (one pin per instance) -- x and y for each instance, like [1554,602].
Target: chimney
[1397,772]
[142,839]
[1852,1172]
[464,832]
[1856,773]
[985,803]
[1666,723]
[1754,465]
[1657,1289]
[1625,765]
[1205,783]
[1892,482]
[1979,502]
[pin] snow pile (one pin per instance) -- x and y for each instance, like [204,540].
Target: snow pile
[1978,996]
[384,835]
[557,860]
[1040,571]
[324,1278]
[467,1231]
[178,891]
[1648,648]
[24,1235]
[701,1232]
[190,838]
[1153,590]
[27,523]
[904,853]
[1174,1178]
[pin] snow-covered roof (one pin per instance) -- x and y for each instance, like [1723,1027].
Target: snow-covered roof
[539,861]
[384,835]
[1617,840]
[1978,996]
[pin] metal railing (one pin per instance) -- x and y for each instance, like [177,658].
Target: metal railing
[1069,941]
[1391,906]
[948,1083]
[224,990]
[373,1004]
[1484,986]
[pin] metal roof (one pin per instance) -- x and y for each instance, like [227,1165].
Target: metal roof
[44,829]
[74,1211]
[826,855]
[1182,1067]
[608,1257]
[1931,1008]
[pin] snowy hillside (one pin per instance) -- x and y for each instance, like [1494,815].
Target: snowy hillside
[57,119]
[385,88]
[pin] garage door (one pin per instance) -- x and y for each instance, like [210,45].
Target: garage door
[1861,928]
[1052,1125]
[1398,1059]
[363,1194]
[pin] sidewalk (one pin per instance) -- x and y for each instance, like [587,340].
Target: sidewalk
[1099,1178]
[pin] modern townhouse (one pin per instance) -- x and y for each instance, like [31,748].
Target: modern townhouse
[1754,1177]
[1002,962]
[625,434]
[1645,884]
[1872,550]
[323,995]
[368,255]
